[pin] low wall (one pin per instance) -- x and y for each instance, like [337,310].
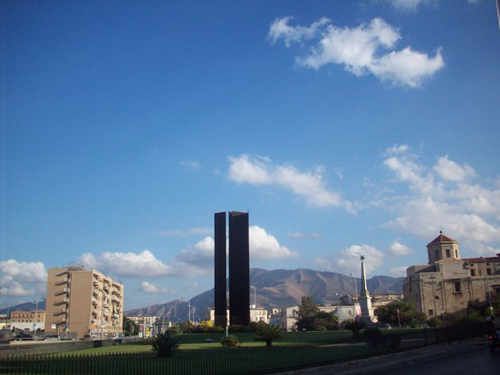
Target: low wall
[38,347]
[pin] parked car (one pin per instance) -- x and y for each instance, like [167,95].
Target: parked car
[52,338]
[22,337]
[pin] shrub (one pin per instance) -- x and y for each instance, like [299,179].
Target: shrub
[165,345]
[434,322]
[355,326]
[373,336]
[268,333]
[391,340]
[230,341]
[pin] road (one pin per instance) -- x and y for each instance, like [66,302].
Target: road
[479,361]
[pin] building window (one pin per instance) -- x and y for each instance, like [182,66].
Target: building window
[457,287]
[436,254]
[456,254]
[448,254]
[431,312]
[473,272]
[488,271]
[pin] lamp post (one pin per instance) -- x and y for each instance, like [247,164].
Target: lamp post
[163,319]
[488,287]
[254,296]
[433,293]
[355,288]
[34,318]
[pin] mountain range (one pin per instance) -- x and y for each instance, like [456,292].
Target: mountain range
[273,289]
[279,289]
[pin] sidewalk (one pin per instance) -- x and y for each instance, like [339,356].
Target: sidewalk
[390,362]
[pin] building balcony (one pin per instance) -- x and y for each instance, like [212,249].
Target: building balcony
[62,282]
[95,312]
[60,312]
[61,292]
[61,302]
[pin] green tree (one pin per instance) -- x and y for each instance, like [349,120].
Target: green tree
[327,320]
[164,345]
[389,313]
[307,314]
[130,328]
[268,333]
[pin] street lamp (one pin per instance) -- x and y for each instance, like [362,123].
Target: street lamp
[163,319]
[488,286]
[254,296]
[355,288]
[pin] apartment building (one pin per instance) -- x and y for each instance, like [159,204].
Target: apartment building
[28,320]
[82,302]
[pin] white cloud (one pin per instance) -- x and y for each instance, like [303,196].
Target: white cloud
[349,260]
[451,171]
[407,4]
[265,246]
[152,288]
[398,248]
[441,196]
[280,29]
[397,149]
[25,272]
[365,49]
[201,254]
[296,234]
[128,264]
[193,231]
[19,278]
[398,271]
[260,171]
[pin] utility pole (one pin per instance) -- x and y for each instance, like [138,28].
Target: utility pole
[490,301]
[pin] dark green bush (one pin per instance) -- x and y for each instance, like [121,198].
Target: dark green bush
[229,341]
[373,336]
[391,340]
[165,345]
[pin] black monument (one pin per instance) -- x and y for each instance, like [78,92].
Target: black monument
[239,269]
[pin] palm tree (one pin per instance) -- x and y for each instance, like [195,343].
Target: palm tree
[164,345]
[268,333]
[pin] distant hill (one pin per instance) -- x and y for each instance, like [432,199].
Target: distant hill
[281,288]
[27,306]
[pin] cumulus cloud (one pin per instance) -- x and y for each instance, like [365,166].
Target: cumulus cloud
[20,279]
[349,260]
[128,264]
[365,49]
[398,271]
[442,196]
[152,288]
[398,249]
[201,254]
[265,246]
[451,171]
[397,149]
[309,185]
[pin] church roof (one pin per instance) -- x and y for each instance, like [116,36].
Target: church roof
[441,238]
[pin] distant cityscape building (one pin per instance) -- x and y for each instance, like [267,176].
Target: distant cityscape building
[239,269]
[256,315]
[448,283]
[147,324]
[28,320]
[81,302]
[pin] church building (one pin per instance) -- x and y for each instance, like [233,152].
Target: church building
[448,282]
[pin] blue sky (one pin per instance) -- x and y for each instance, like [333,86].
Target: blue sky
[343,127]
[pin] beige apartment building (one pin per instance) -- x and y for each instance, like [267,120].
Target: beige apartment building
[448,282]
[82,302]
[28,320]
